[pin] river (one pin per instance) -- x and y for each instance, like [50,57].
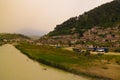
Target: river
[16,66]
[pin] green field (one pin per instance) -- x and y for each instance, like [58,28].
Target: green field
[86,65]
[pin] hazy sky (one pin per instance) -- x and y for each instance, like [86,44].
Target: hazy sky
[40,16]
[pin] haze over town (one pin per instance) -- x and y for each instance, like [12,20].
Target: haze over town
[38,17]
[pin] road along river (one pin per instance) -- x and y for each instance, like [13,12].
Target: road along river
[16,66]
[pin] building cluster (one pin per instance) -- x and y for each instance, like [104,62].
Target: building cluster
[94,37]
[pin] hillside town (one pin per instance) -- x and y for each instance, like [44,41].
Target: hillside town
[96,37]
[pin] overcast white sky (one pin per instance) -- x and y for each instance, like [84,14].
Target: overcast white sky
[40,16]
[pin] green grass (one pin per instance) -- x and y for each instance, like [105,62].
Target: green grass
[1,43]
[60,55]
[64,59]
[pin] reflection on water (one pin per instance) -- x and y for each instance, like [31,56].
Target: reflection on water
[16,66]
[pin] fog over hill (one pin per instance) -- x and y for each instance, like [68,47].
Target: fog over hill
[32,32]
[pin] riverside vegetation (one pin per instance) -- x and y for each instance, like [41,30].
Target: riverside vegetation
[105,67]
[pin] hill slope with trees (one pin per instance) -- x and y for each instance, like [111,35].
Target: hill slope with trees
[106,15]
[8,38]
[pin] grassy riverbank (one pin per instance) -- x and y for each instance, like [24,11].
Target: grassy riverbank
[1,43]
[94,66]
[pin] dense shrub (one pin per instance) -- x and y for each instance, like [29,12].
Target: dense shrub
[117,50]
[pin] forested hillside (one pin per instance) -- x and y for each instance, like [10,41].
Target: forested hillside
[106,15]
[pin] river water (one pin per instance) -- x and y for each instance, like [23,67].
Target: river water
[16,66]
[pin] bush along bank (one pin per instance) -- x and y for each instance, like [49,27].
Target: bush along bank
[63,59]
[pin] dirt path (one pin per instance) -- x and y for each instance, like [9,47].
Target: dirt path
[109,53]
